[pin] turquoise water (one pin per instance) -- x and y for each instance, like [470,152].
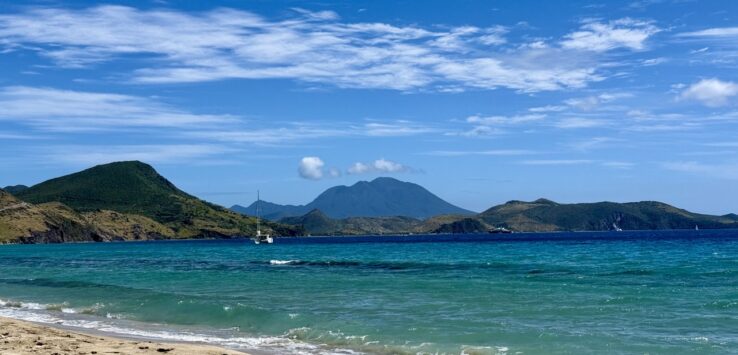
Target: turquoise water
[647,292]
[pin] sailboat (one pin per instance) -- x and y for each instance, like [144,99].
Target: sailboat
[696,227]
[260,238]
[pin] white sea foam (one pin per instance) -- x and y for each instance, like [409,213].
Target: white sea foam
[282,262]
[52,314]
[484,350]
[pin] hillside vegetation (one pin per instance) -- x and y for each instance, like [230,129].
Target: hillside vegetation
[318,223]
[538,216]
[130,200]
[54,222]
[545,215]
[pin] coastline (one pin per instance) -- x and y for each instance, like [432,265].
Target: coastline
[22,337]
[513,236]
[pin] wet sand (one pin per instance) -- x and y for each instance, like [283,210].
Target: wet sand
[19,337]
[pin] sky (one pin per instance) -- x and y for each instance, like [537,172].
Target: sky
[480,102]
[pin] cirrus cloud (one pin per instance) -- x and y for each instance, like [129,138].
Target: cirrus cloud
[599,37]
[314,48]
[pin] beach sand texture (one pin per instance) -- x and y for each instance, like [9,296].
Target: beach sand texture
[19,337]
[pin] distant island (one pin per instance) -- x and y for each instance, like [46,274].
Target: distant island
[380,197]
[538,216]
[115,202]
[130,201]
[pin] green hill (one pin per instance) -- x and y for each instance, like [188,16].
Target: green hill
[316,222]
[545,215]
[54,222]
[15,189]
[136,188]
[464,225]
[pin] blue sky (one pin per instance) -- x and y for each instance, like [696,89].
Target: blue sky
[479,101]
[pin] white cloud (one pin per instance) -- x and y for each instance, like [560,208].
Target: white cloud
[271,135]
[654,61]
[378,166]
[311,168]
[594,102]
[312,47]
[711,92]
[701,50]
[358,168]
[384,165]
[498,152]
[489,125]
[504,120]
[580,122]
[156,153]
[548,108]
[600,37]
[478,131]
[56,110]
[66,110]
[584,103]
[557,162]
[717,32]
[723,171]
[393,129]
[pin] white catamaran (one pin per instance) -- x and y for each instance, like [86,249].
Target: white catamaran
[260,238]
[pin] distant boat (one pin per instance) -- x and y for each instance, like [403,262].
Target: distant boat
[696,227]
[500,230]
[260,238]
[616,228]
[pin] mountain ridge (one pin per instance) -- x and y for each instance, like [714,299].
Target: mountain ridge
[381,197]
[54,222]
[14,189]
[547,215]
[541,215]
[136,188]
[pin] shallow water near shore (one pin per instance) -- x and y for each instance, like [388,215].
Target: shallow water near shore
[645,292]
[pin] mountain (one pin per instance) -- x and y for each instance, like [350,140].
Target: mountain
[271,211]
[464,225]
[541,215]
[317,223]
[15,189]
[137,189]
[545,215]
[53,222]
[380,197]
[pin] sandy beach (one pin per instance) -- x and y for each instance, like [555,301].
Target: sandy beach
[19,337]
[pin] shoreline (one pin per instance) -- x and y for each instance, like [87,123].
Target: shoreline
[510,236]
[22,337]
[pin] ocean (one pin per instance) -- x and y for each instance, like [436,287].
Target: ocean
[665,292]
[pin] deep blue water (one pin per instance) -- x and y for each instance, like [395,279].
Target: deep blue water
[628,292]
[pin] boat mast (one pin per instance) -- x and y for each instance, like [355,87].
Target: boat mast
[258,202]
